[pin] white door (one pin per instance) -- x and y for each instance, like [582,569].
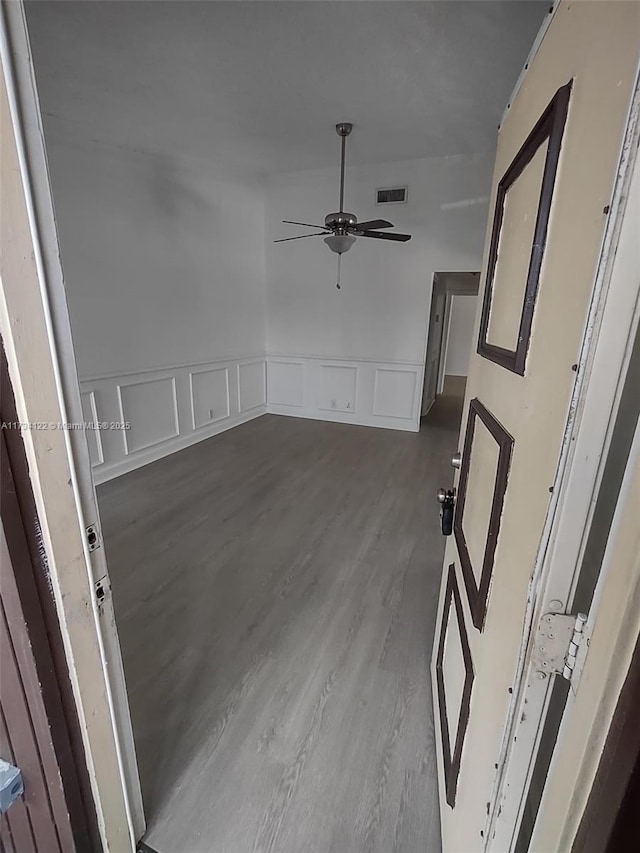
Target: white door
[558,150]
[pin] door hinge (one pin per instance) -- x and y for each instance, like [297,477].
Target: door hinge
[558,644]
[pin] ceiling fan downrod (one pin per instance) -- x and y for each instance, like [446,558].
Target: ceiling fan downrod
[343,129]
[340,223]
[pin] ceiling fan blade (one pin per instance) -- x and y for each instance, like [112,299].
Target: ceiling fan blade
[301,237]
[382,235]
[373,223]
[306,224]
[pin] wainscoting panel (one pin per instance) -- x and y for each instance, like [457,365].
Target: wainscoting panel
[369,393]
[209,396]
[150,407]
[167,409]
[394,392]
[252,390]
[339,388]
[285,383]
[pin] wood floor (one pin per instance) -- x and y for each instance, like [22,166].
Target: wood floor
[275,591]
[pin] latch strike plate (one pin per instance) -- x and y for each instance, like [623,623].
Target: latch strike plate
[102,589]
[557,642]
[93,536]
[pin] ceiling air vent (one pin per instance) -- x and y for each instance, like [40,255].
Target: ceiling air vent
[391,195]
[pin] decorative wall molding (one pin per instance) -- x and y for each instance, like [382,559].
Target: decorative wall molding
[229,360]
[207,385]
[285,385]
[339,388]
[90,414]
[152,413]
[251,380]
[355,391]
[168,409]
[394,390]
[288,356]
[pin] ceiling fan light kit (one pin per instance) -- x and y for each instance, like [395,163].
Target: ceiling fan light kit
[342,228]
[340,243]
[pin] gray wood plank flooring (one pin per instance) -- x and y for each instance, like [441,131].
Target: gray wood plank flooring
[275,591]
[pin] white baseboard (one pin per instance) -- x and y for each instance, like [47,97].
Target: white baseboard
[353,391]
[171,408]
[108,472]
[339,418]
[167,410]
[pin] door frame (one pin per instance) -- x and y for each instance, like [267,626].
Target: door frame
[30,608]
[612,321]
[608,807]
[448,312]
[36,331]
[444,343]
[435,286]
[438,278]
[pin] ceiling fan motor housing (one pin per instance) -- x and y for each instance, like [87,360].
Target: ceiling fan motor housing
[339,222]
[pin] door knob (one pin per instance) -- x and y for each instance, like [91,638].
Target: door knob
[446,499]
[456,459]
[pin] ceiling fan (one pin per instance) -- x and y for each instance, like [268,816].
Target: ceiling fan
[341,228]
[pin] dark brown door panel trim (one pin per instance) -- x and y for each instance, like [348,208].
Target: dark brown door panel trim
[478,594]
[550,126]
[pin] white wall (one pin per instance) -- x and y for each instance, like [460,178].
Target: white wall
[460,334]
[357,354]
[165,272]
[174,283]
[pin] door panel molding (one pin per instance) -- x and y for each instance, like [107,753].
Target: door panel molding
[452,760]
[478,594]
[549,128]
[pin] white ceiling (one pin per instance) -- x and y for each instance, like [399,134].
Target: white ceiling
[255,86]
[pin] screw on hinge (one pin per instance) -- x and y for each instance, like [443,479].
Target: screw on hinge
[551,489]
[606,208]
[574,367]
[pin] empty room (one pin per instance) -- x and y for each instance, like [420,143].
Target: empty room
[327,294]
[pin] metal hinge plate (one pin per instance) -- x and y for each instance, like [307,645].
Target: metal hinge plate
[557,644]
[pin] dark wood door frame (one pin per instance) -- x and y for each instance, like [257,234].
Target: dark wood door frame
[30,582]
[610,821]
